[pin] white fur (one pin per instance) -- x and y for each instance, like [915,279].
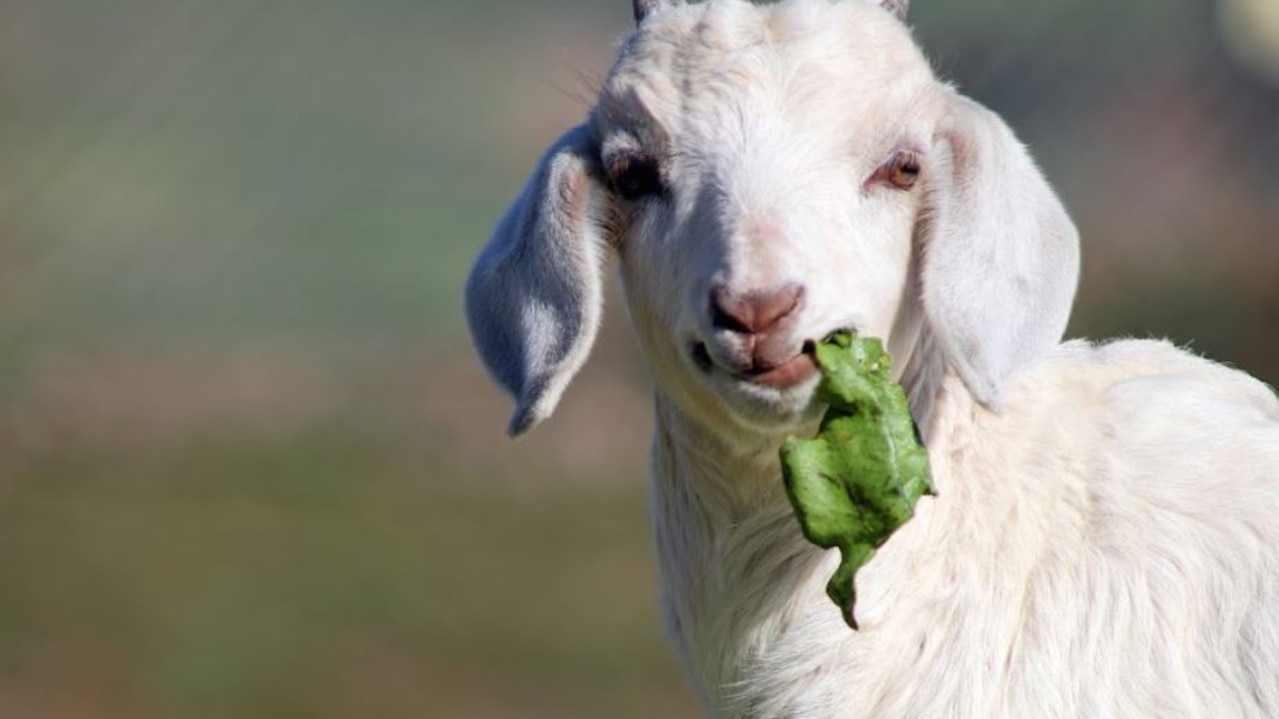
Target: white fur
[1104,541]
[1105,547]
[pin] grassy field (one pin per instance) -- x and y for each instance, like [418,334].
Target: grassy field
[322,575]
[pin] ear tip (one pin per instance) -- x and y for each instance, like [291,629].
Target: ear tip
[525,418]
[986,391]
[520,424]
[994,403]
[990,397]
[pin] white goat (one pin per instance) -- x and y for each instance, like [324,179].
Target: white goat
[1105,537]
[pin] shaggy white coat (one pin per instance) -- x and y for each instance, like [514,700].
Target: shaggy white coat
[1105,537]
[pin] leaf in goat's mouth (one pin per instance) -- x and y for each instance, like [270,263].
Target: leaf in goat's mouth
[858,480]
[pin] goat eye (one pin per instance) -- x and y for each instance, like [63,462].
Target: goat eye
[634,176]
[901,171]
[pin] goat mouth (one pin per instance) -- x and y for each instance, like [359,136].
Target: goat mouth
[783,376]
[780,376]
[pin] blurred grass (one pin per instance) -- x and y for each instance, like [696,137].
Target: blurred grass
[203,171]
[311,576]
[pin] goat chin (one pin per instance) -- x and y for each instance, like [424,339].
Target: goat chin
[1104,546]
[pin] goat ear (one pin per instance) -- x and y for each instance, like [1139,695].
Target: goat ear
[1000,254]
[534,296]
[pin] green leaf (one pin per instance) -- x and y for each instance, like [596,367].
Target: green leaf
[859,479]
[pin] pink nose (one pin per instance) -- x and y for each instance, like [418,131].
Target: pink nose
[755,312]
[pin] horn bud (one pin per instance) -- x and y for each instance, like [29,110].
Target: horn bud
[898,8]
[644,8]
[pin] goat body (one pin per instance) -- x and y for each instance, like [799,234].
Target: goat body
[1104,547]
[1103,540]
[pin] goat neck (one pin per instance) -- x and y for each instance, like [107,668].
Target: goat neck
[744,597]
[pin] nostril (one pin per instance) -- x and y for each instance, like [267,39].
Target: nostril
[731,313]
[702,357]
[754,312]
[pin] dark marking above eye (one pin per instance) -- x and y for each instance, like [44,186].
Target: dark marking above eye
[633,175]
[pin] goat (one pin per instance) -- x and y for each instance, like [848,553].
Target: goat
[1103,542]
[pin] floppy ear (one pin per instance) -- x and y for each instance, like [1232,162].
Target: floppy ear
[534,296]
[1000,254]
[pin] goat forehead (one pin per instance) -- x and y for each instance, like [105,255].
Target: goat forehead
[729,62]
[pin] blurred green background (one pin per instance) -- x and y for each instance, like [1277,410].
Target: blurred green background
[248,464]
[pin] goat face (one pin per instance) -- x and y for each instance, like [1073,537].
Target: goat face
[767,175]
[744,148]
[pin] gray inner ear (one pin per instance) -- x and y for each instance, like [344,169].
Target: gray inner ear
[534,297]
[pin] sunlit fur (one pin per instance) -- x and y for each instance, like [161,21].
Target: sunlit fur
[1105,537]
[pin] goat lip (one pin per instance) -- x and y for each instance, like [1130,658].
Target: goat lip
[785,375]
